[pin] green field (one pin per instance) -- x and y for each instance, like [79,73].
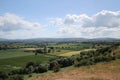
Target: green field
[13,53]
[57,53]
[11,59]
[18,62]
[71,46]
[16,58]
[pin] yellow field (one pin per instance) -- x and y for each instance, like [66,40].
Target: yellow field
[74,52]
[30,48]
[70,53]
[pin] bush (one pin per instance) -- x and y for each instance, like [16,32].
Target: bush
[3,75]
[52,64]
[41,69]
[56,68]
[76,63]
[30,75]
[30,64]
[16,77]
[14,72]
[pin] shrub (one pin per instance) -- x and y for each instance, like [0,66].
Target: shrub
[52,64]
[16,77]
[30,64]
[30,75]
[41,69]
[56,68]
[3,75]
[76,63]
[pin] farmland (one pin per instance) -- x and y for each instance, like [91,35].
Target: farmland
[18,62]
[13,53]
[11,59]
[25,59]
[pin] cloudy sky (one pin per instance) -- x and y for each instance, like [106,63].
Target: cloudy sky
[22,19]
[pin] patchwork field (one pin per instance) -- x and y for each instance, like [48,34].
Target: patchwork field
[15,59]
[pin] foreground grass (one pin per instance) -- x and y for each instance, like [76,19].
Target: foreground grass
[100,71]
[26,77]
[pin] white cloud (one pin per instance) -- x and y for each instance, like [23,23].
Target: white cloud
[105,19]
[73,19]
[88,32]
[12,22]
[101,19]
[103,24]
[57,21]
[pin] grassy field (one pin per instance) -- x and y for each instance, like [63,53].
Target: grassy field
[13,53]
[18,62]
[16,58]
[100,71]
[71,46]
[60,52]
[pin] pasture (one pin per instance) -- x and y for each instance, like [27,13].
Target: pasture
[13,53]
[9,64]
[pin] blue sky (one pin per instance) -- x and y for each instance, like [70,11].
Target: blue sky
[59,18]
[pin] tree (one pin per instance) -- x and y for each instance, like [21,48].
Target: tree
[52,64]
[42,68]
[30,64]
[45,50]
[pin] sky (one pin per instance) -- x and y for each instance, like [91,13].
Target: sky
[23,19]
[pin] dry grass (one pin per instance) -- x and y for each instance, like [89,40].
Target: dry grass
[68,54]
[30,48]
[95,72]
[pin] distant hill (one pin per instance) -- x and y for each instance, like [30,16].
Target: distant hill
[2,39]
[63,40]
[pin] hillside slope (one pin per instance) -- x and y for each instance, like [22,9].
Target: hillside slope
[101,71]
[105,71]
